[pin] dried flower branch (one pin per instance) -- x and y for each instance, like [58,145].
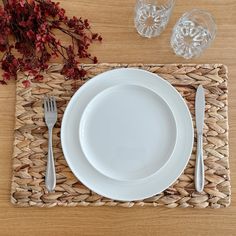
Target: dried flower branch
[33,23]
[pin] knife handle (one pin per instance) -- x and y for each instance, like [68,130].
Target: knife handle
[199,169]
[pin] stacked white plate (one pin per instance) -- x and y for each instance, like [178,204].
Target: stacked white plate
[127,134]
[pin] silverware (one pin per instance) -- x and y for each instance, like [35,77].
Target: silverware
[199,111]
[50,110]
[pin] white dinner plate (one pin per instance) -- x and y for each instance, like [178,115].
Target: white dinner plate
[110,138]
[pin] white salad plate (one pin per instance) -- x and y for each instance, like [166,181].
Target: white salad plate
[127,134]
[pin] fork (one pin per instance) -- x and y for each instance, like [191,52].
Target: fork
[50,111]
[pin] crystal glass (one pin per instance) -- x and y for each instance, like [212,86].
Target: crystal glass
[152,16]
[193,33]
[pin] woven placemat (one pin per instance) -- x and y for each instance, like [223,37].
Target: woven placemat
[30,141]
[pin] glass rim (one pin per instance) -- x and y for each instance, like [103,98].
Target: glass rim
[204,12]
[168,2]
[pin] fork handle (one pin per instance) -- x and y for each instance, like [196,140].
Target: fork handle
[199,168]
[50,179]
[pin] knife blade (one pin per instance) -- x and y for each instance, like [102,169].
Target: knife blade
[200,109]
[199,113]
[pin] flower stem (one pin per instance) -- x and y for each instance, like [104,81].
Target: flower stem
[4,2]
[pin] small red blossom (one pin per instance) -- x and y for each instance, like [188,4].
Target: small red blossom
[6,76]
[61,13]
[38,77]
[82,73]
[30,2]
[26,83]
[23,24]
[94,36]
[22,3]
[100,38]
[3,82]
[95,60]
[86,23]
[30,34]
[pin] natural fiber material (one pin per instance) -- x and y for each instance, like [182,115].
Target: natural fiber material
[30,144]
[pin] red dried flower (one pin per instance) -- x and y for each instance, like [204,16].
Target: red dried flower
[3,82]
[38,77]
[26,83]
[95,60]
[32,23]
[100,38]
[22,3]
[30,34]
[94,36]
[86,24]
[6,76]
[30,1]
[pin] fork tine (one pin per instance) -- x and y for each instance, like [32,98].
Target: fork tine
[51,104]
[54,103]
[45,104]
[48,103]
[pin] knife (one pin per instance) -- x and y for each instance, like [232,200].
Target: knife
[199,111]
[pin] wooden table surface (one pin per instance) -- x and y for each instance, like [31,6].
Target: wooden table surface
[114,19]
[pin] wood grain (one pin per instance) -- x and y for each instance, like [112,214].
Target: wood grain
[114,19]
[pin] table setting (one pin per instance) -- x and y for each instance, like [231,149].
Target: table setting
[30,146]
[116,134]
